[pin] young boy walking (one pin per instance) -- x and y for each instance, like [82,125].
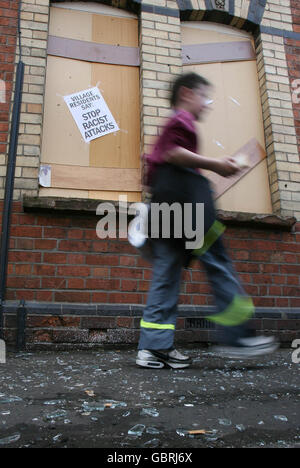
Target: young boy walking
[174,175]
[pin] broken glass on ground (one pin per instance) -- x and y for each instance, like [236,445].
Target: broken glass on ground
[240,427]
[225,422]
[150,412]
[9,399]
[10,439]
[152,443]
[54,402]
[102,404]
[137,430]
[152,430]
[280,417]
[58,414]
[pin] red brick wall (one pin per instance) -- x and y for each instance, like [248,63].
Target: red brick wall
[8,39]
[56,258]
[292,47]
[295,6]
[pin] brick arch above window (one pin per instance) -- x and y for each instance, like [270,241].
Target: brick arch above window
[247,14]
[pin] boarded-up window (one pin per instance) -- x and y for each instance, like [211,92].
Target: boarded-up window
[226,57]
[92,45]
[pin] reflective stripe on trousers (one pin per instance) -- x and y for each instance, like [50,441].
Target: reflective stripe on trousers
[157,326]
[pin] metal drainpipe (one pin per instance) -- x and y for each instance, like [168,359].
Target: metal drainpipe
[10,176]
[21,326]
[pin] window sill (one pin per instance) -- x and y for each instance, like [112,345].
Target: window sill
[264,221]
[83,206]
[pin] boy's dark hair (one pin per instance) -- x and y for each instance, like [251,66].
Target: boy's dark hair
[188,80]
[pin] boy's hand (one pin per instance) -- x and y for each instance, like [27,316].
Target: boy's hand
[227,167]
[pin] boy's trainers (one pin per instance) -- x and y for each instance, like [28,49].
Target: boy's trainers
[247,348]
[157,359]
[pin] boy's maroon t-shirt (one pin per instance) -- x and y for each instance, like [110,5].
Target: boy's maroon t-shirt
[180,130]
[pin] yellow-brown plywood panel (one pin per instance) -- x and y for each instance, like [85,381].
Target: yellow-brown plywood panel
[119,86]
[115,31]
[109,195]
[194,35]
[71,24]
[243,102]
[85,178]
[254,154]
[92,195]
[235,116]
[212,129]
[251,194]
[62,141]
[63,193]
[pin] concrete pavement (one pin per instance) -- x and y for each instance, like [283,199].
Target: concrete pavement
[102,399]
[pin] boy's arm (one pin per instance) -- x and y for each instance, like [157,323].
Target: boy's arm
[183,157]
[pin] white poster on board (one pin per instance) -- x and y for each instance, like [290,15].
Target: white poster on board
[91,114]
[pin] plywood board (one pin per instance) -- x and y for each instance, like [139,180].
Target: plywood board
[243,101]
[70,23]
[109,195]
[62,140]
[212,130]
[250,195]
[63,193]
[235,115]
[218,52]
[195,35]
[255,153]
[91,52]
[92,195]
[111,164]
[93,7]
[84,178]
[115,31]
[234,119]
[217,27]
[120,88]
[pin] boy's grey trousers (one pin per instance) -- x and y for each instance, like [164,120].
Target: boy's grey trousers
[233,307]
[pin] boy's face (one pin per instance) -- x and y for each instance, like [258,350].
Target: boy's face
[197,101]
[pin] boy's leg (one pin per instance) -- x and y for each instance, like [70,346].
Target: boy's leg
[160,313]
[159,319]
[234,307]
[228,293]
